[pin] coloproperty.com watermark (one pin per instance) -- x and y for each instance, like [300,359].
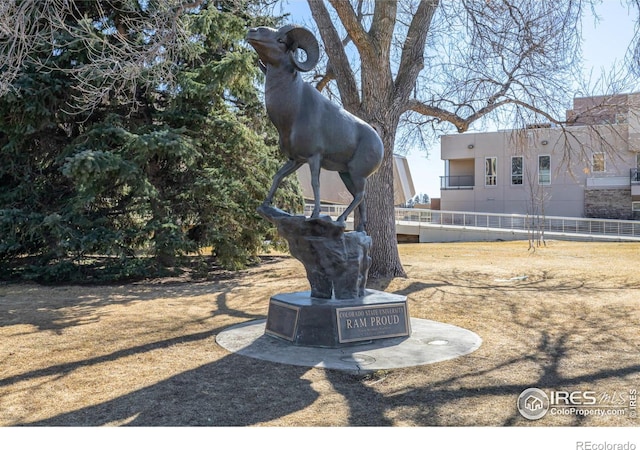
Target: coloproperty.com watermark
[534,404]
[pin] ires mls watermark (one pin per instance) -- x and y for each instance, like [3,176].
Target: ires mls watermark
[534,403]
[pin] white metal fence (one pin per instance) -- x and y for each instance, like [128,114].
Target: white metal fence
[328,210]
[622,229]
[548,224]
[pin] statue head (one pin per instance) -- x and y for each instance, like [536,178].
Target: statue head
[279,47]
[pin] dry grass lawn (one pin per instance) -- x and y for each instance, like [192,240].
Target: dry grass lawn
[144,353]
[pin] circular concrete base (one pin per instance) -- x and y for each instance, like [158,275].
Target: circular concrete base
[429,342]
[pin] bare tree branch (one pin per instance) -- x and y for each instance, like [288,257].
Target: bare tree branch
[337,56]
[353,25]
[125,52]
[325,79]
[412,59]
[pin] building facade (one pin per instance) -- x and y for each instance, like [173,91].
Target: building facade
[334,192]
[588,168]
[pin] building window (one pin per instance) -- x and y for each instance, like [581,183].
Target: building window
[516,170]
[635,206]
[544,169]
[490,172]
[597,162]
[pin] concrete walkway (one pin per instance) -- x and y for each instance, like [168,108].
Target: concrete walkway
[430,342]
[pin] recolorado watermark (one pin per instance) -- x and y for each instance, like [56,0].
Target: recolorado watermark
[534,404]
[588,445]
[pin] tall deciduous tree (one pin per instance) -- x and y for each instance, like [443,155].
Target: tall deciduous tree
[443,64]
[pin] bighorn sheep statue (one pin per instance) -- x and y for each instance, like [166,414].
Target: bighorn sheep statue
[312,129]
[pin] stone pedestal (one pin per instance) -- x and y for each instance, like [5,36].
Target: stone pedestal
[337,263]
[338,311]
[316,322]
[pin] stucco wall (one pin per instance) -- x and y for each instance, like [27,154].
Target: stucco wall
[571,170]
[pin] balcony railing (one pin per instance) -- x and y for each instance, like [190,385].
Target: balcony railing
[457,182]
[635,176]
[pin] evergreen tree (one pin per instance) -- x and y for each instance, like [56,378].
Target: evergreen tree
[161,170]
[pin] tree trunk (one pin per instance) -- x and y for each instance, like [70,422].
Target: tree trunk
[377,102]
[385,258]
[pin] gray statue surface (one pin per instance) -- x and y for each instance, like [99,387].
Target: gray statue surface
[338,310]
[337,263]
[312,129]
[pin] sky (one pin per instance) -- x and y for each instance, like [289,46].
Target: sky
[605,45]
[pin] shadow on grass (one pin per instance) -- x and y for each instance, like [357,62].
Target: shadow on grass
[549,358]
[235,391]
[57,308]
[428,405]
[240,391]
[60,370]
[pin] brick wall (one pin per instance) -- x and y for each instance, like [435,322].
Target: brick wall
[608,203]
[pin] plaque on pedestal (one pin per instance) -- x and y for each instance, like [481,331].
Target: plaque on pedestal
[304,320]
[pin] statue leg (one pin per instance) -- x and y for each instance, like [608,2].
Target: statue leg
[289,167]
[362,208]
[314,167]
[356,186]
